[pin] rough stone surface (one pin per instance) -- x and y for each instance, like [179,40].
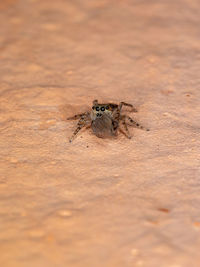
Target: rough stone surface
[99,202]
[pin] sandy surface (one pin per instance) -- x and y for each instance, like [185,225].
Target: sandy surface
[99,202]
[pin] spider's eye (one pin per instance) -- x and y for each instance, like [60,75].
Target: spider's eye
[93,107]
[107,107]
[102,108]
[97,108]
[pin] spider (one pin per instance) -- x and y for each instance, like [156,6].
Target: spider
[105,120]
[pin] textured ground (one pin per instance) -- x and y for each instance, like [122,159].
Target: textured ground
[96,202]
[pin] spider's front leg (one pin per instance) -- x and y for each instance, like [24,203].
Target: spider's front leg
[83,122]
[128,105]
[95,102]
[78,116]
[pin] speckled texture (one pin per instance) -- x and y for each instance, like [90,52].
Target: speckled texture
[99,202]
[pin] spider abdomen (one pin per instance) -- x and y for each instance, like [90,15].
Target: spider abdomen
[103,126]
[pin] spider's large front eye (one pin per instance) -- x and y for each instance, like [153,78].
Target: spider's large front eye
[97,108]
[102,108]
[107,107]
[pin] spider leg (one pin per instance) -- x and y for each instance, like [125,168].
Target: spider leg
[95,102]
[117,114]
[78,116]
[126,133]
[128,105]
[134,123]
[83,122]
[79,127]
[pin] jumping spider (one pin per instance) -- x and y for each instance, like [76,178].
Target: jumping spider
[105,120]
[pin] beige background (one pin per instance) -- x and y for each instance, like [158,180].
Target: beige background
[96,202]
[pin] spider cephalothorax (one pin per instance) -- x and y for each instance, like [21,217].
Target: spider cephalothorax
[105,120]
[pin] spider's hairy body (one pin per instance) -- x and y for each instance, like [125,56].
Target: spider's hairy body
[105,120]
